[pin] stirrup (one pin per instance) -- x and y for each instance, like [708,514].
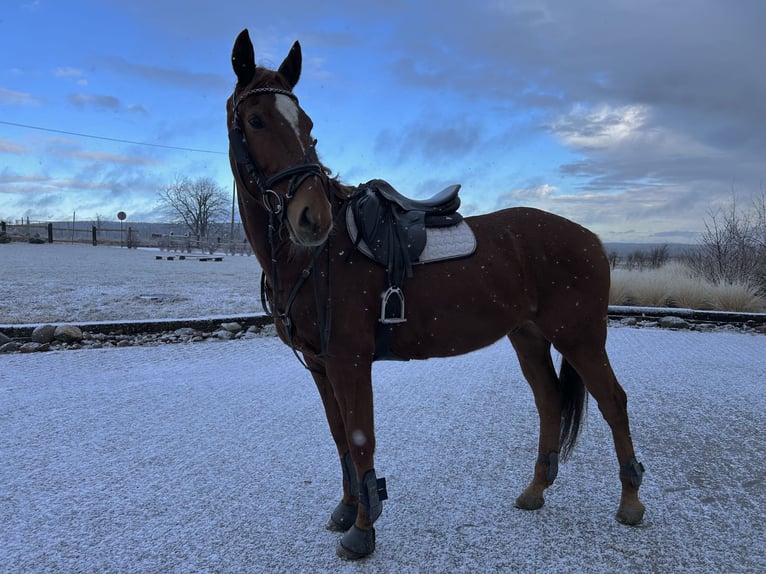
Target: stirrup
[392,306]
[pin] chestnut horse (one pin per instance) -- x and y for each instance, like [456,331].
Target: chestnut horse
[536,278]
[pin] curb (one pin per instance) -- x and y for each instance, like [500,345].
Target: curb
[24,331]
[134,327]
[718,317]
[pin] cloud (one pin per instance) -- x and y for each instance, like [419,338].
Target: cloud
[74,73]
[106,158]
[176,77]
[68,72]
[93,101]
[17,98]
[604,127]
[437,141]
[645,95]
[526,196]
[11,147]
[106,103]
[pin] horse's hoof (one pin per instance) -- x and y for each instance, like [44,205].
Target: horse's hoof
[342,518]
[529,501]
[630,515]
[356,544]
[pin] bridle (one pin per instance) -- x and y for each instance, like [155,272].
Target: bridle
[272,201]
[276,207]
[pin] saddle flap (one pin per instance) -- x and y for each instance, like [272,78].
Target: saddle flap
[395,237]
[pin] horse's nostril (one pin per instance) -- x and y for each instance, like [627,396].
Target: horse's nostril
[304,220]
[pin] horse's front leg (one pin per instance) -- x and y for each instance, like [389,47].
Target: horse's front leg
[352,386]
[344,514]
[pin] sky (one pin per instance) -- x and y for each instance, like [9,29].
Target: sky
[637,120]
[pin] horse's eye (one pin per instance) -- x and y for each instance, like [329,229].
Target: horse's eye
[255,121]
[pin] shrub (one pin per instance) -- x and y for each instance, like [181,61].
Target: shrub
[676,285]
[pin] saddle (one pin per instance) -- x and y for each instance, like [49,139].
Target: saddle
[392,229]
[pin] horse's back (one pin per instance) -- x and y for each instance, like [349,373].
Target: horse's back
[529,266]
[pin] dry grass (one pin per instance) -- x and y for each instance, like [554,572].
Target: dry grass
[674,286]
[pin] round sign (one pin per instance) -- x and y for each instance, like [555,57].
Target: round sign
[121,215]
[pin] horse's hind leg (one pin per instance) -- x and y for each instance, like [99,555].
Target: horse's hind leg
[534,355]
[344,514]
[592,364]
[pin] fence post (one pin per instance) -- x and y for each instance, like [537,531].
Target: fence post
[50,233]
[93,232]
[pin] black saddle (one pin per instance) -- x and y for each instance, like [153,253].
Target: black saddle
[394,226]
[393,229]
[445,202]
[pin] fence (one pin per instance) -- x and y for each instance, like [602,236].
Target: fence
[130,236]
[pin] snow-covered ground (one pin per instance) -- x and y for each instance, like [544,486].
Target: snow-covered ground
[215,457]
[61,282]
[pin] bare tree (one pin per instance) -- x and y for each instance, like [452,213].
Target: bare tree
[659,256]
[732,245]
[614,259]
[197,203]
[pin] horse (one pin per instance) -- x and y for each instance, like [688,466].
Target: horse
[536,278]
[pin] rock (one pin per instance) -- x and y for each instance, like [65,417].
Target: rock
[185,332]
[673,323]
[68,334]
[4,339]
[30,347]
[223,334]
[269,330]
[232,327]
[10,347]
[43,334]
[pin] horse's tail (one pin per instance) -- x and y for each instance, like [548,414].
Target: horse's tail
[574,407]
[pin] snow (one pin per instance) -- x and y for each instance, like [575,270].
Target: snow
[216,457]
[61,282]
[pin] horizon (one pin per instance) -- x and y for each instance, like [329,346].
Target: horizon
[633,120]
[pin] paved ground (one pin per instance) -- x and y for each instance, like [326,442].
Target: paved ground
[215,457]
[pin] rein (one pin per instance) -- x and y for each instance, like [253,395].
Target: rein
[276,207]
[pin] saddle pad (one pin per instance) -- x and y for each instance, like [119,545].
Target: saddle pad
[441,242]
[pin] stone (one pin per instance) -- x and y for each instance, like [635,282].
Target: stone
[4,338]
[10,347]
[68,334]
[30,347]
[671,322]
[185,332]
[43,333]
[232,327]
[223,334]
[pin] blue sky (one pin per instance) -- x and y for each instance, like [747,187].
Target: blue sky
[634,119]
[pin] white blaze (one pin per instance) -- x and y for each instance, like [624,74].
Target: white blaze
[289,110]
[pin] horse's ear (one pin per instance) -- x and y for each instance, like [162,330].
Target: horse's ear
[291,67]
[243,58]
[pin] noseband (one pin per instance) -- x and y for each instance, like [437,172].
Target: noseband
[274,203]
